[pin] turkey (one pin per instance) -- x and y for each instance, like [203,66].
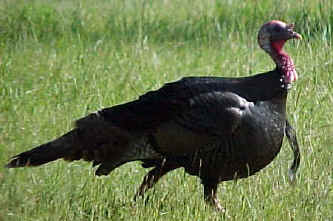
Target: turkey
[215,128]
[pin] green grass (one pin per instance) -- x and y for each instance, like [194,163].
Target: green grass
[60,60]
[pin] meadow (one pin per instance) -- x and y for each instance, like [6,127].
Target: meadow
[60,60]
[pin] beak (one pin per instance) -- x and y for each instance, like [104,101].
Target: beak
[286,34]
[291,33]
[296,35]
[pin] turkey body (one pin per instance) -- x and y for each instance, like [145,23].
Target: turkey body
[216,128]
[240,152]
[216,131]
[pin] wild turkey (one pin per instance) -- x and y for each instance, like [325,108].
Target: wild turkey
[216,128]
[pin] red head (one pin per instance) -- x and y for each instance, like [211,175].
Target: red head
[271,38]
[274,34]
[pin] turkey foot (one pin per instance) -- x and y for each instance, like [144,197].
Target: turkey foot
[210,191]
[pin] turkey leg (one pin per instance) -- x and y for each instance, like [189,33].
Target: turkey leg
[210,190]
[152,178]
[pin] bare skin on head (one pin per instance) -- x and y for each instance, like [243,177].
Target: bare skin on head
[271,38]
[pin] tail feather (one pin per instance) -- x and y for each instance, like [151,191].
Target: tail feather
[93,140]
[45,153]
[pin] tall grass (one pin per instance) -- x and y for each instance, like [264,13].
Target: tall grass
[157,21]
[60,60]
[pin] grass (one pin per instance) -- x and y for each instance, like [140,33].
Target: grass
[60,60]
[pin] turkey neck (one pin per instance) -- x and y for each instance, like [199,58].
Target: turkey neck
[262,87]
[283,62]
[273,85]
[285,69]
